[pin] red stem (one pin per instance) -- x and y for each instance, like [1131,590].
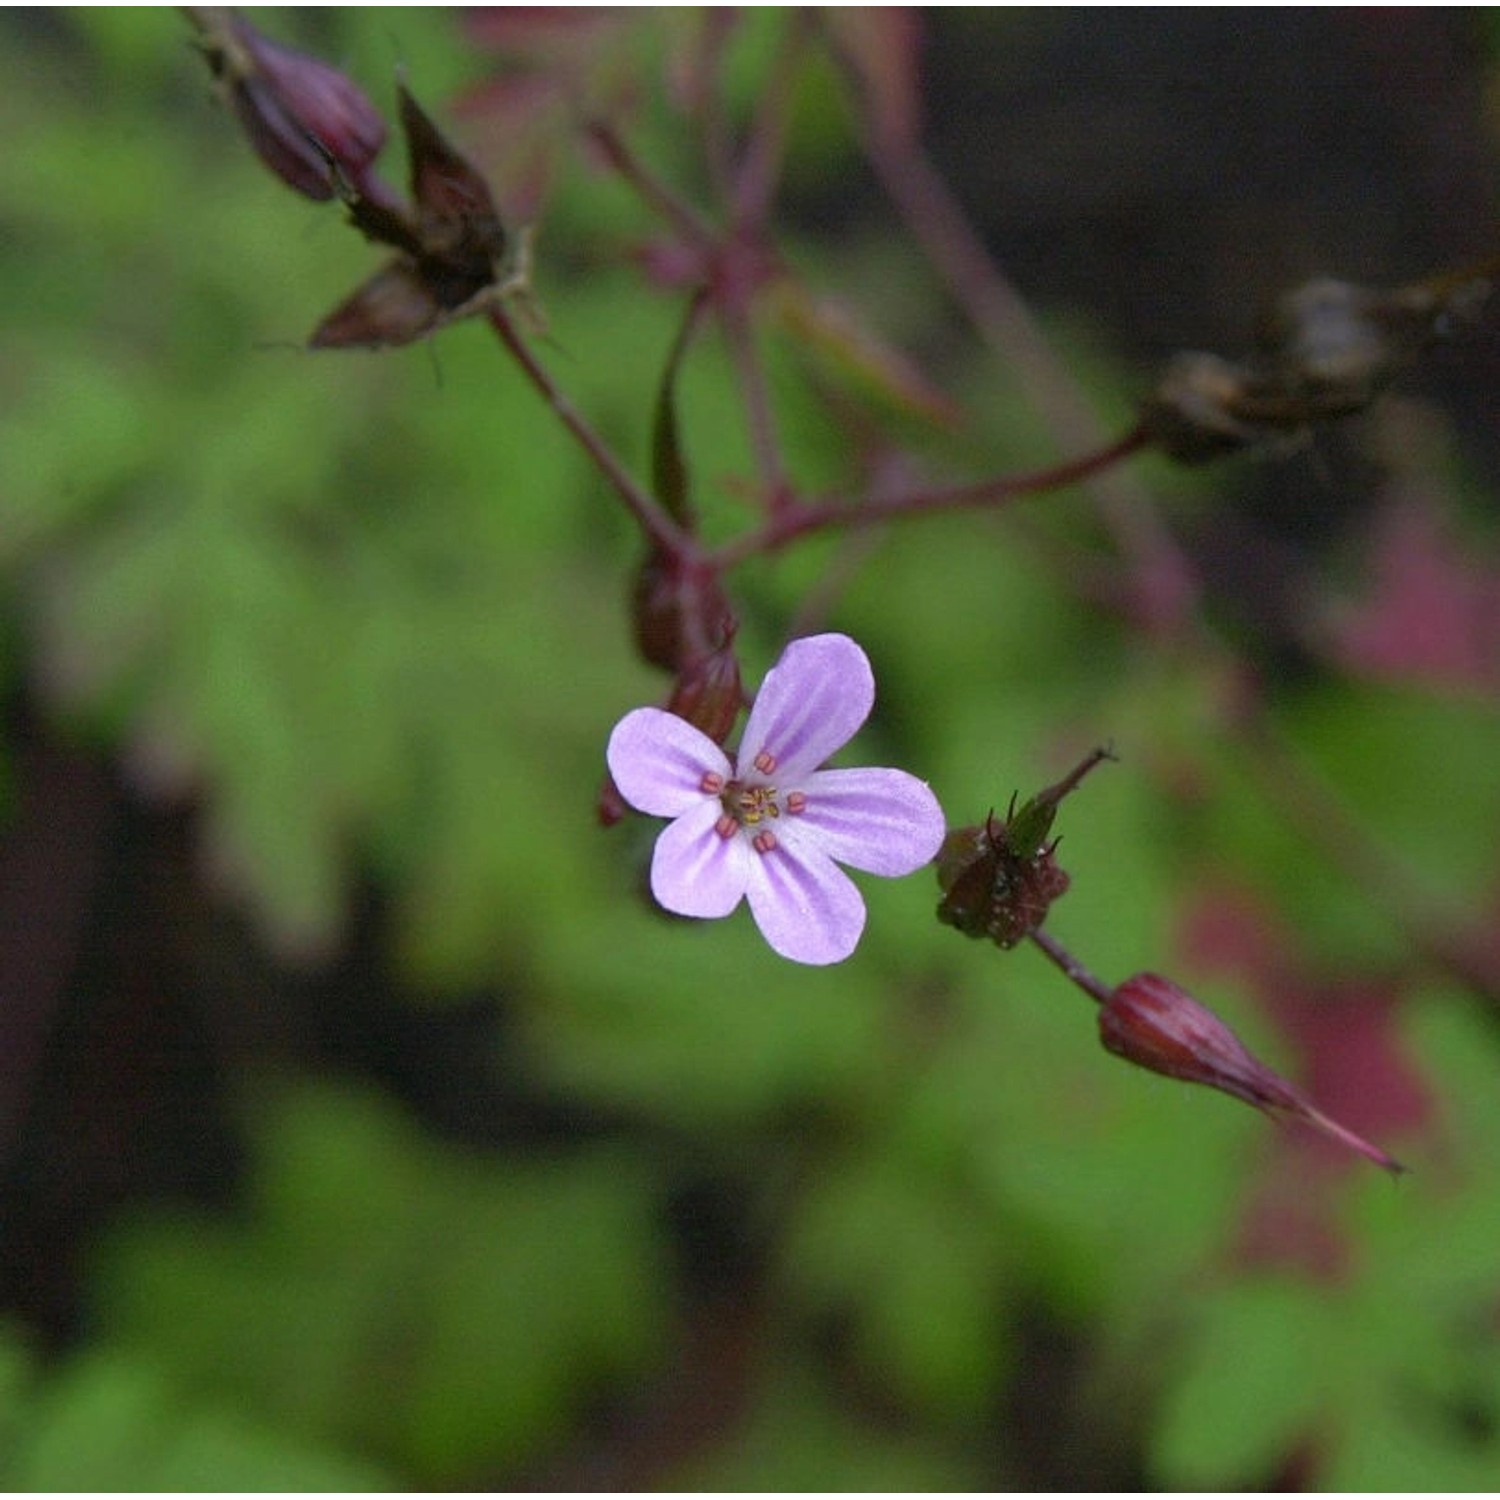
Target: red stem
[679,214]
[801,520]
[1094,987]
[1165,581]
[655,523]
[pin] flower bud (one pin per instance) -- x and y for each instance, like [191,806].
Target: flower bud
[611,806]
[1153,1023]
[306,120]
[677,613]
[707,694]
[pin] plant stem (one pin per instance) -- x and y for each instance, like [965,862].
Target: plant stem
[655,523]
[680,215]
[1165,582]
[1094,987]
[802,520]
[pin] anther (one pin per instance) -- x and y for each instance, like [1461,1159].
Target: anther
[765,762]
[712,783]
[796,802]
[764,842]
[726,827]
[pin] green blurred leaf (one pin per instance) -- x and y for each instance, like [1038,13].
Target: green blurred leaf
[110,1423]
[799,1438]
[882,1244]
[1249,1385]
[446,1314]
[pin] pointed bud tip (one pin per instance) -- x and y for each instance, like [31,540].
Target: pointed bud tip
[1155,1024]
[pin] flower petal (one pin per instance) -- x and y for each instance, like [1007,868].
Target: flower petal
[694,871]
[811,703]
[658,762]
[886,822]
[807,909]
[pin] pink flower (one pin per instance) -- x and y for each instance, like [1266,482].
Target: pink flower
[769,824]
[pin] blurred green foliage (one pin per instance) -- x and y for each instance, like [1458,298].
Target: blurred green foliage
[369,611]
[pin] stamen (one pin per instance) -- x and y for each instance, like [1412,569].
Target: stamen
[726,827]
[796,802]
[763,842]
[757,802]
[765,762]
[712,783]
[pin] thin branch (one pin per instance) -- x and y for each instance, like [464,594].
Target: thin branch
[760,419]
[655,523]
[759,168]
[1090,983]
[1001,317]
[802,520]
[676,211]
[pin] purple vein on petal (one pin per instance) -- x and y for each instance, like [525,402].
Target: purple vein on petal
[807,909]
[658,761]
[871,818]
[811,704]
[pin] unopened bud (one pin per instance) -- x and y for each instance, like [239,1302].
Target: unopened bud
[307,121]
[611,806]
[676,613]
[1155,1024]
[708,694]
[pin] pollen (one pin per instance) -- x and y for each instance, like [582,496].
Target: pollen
[749,805]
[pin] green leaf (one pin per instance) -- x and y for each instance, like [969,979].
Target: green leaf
[1247,1388]
[110,1423]
[882,1244]
[444,1314]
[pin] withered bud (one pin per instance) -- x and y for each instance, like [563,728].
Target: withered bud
[999,880]
[307,121]
[1327,350]
[1192,414]
[1155,1024]
[450,245]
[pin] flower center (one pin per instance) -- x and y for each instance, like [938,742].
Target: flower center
[748,806]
